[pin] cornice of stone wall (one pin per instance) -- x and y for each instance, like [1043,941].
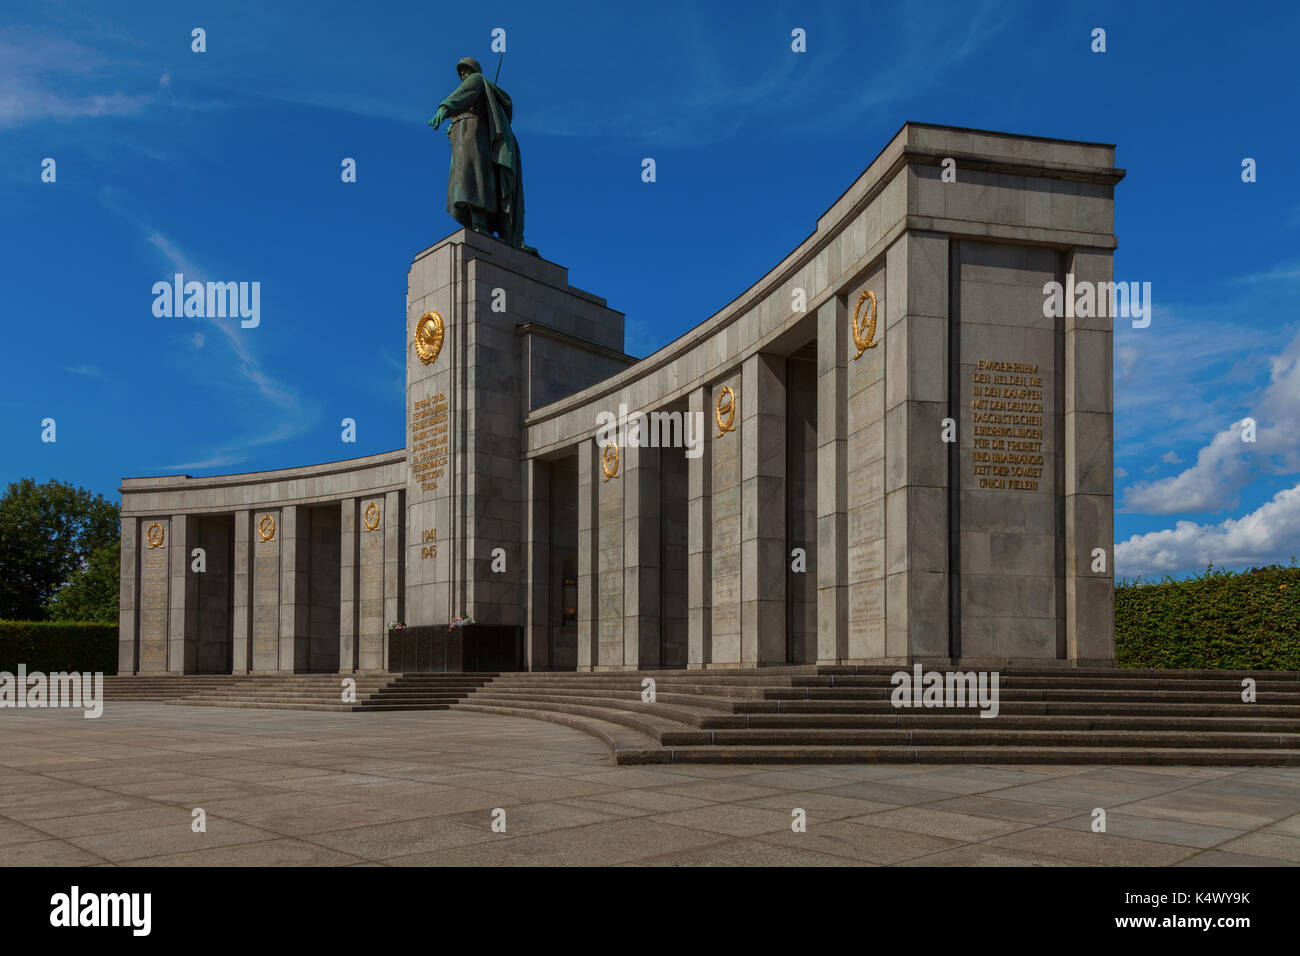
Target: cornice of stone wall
[914,146]
[311,484]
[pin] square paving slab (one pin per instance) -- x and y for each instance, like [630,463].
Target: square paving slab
[450,788]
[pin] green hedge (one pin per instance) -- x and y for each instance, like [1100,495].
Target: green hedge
[58,646]
[1219,620]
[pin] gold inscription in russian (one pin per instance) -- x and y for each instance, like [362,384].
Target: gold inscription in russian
[429,434]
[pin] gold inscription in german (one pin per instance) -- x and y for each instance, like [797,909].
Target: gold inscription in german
[1007,413]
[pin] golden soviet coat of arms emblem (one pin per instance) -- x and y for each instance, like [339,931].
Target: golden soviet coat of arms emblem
[428,337]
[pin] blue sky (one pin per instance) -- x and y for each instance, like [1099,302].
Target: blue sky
[225,165]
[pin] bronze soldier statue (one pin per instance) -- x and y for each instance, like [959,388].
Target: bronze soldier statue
[485,188]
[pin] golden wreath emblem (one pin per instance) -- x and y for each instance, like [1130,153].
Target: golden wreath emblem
[609,461]
[864,334]
[726,406]
[428,337]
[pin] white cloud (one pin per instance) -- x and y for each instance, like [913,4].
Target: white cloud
[90,372]
[709,95]
[281,396]
[1269,534]
[1225,465]
[1171,458]
[1285,272]
[1126,357]
[27,64]
[1121,473]
[217,461]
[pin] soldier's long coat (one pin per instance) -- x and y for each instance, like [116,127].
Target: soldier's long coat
[485,164]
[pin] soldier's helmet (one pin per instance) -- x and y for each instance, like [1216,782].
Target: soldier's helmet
[468,63]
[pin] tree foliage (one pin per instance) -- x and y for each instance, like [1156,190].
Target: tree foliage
[48,536]
[92,592]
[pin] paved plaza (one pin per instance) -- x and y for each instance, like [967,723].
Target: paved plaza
[419,789]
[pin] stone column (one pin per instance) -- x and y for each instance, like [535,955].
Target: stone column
[537,578]
[865,469]
[371,624]
[242,605]
[295,628]
[154,605]
[348,586]
[700,538]
[182,650]
[128,589]
[266,591]
[916,457]
[1089,473]
[724,521]
[610,597]
[762,535]
[394,565]
[588,542]
[832,483]
[641,556]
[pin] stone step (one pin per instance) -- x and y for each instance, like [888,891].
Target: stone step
[441,675]
[1004,722]
[272,699]
[628,745]
[262,705]
[647,725]
[1031,670]
[608,698]
[1022,682]
[1227,693]
[1058,708]
[686,716]
[1061,694]
[303,705]
[982,738]
[431,688]
[367,705]
[983,755]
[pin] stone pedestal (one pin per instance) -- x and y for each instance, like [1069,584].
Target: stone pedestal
[513,335]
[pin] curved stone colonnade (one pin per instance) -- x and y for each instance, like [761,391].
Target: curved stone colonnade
[884,451]
[837,442]
[293,577]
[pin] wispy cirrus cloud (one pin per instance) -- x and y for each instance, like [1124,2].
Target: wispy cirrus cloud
[712,93]
[1280,272]
[89,371]
[289,418]
[38,76]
